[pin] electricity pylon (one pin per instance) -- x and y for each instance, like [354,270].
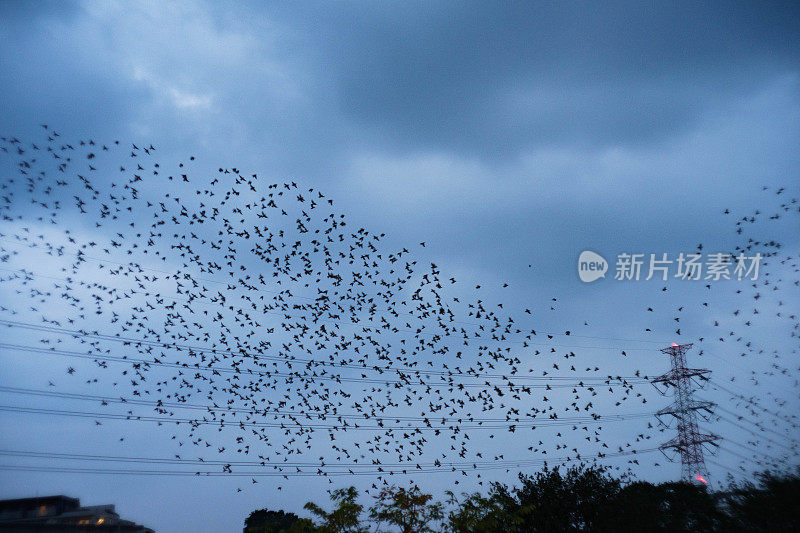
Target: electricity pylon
[690,443]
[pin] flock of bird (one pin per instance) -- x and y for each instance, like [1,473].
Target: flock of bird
[257,325]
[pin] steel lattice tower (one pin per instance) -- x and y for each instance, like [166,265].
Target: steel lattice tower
[689,443]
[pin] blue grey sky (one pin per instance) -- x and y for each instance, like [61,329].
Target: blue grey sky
[507,137]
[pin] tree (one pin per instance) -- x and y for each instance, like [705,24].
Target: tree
[495,513]
[410,510]
[673,506]
[267,521]
[769,506]
[574,501]
[578,499]
[345,518]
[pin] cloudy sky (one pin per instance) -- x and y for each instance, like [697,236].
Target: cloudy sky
[509,138]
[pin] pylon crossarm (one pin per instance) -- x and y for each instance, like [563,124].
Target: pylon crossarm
[714,448]
[661,420]
[672,443]
[703,438]
[665,379]
[670,459]
[702,405]
[660,391]
[662,378]
[667,411]
[692,372]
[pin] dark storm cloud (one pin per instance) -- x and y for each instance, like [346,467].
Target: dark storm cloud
[493,80]
[479,81]
[50,75]
[18,13]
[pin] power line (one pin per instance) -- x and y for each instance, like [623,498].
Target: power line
[753,450]
[293,424]
[590,382]
[292,464]
[755,434]
[308,414]
[792,420]
[772,461]
[729,470]
[378,470]
[243,353]
[756,424]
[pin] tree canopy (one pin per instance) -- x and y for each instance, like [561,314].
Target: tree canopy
[584,498]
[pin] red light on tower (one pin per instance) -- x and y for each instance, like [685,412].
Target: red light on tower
[701,479]
[675,344]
